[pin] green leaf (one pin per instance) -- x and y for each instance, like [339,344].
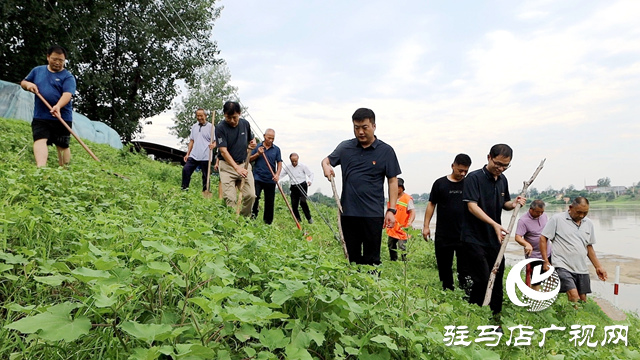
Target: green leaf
[248,314]
[165,249]
[147,332]
[103,301]
[5,267]
[14,259]
[273,339]
[54,324]
[383,339]
[85,274]
[555,357]
[246,332]
[19,308]
[54,280]
[158,267]
[145,354]
[194,351]
[294,352]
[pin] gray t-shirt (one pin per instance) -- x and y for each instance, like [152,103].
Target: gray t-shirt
[570,242]
[201,136]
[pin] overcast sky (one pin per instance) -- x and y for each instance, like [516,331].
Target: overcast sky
[553,79]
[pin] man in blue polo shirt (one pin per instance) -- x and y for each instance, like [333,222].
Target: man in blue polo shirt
[366,162]
[263,178]
[57,86]
[486,194]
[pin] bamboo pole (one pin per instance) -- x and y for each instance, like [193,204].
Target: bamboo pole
[70,130]
[335,196]
[207,193]
[282,192]
[244,179]
[503,247]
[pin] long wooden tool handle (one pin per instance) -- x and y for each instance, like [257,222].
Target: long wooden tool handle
[335,193]
[244,179]
[282,192]
[503,247]
[213,120]
[70,130]
[335,196]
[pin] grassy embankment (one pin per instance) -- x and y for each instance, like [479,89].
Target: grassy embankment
[95,266]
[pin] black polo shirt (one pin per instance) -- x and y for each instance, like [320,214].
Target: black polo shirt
[490,195]
[363,174]
[447,196]
[235,139]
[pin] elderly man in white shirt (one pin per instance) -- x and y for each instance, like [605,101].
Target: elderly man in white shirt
[300,178]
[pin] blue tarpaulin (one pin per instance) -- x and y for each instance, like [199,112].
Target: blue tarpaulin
[15,103]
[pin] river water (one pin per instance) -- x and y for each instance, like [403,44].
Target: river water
[617,231]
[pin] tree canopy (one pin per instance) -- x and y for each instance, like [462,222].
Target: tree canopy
[210,91]
[604,182]
[126,54]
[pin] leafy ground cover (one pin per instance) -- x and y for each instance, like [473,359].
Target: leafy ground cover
[94,266]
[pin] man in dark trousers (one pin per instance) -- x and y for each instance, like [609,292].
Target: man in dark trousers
[57,86]
[198,151]
[233,136]
[446,197]
[300,178]
[486,194]
[263,178]
[366,162]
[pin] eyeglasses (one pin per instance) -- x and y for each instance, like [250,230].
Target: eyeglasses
[56,60]
[501,165]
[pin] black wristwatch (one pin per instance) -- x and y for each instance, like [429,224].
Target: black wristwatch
[393,211]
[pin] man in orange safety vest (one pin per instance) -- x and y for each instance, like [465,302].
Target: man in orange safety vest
[405,214]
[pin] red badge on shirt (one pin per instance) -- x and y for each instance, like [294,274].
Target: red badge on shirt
[374,162]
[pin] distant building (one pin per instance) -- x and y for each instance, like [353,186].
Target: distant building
[618,190]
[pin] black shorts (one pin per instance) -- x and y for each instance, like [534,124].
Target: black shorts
[570,281]
[52,130]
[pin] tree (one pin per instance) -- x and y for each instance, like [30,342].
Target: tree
[210,91]
[126,54]
[604,182]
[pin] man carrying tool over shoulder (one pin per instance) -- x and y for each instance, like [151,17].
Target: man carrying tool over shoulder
[198,151]
[405,214]
[57,86]
[264,180]
[365,162]
[233,136]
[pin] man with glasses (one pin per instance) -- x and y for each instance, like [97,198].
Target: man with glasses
[486,194]
[198,151]
[57,86]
